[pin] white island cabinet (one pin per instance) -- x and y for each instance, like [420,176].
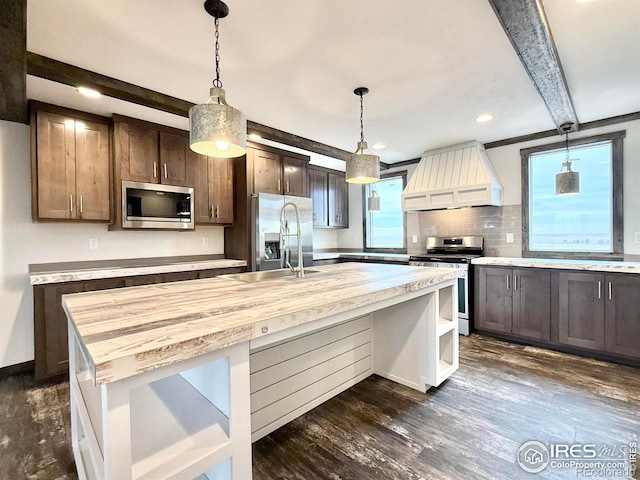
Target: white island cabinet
[174,381]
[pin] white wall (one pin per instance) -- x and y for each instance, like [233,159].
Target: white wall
[506,161]
[23,242]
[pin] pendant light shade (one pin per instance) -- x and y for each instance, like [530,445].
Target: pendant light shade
[373,202]
[567,183]
[362,165]
[216,128]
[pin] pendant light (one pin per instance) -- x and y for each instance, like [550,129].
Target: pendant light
[216,128]
[567,183]
[373,202]
[362,166]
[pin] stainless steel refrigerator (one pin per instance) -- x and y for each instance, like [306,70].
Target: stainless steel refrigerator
[265,242]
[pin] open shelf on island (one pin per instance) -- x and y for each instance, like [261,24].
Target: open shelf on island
[173,427]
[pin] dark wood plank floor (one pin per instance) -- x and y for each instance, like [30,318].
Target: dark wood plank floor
[469,428]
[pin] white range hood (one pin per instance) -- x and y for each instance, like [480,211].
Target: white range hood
[453,177]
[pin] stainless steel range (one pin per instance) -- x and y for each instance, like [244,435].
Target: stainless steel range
[454,252]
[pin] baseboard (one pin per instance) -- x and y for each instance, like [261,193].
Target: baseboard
[24,367]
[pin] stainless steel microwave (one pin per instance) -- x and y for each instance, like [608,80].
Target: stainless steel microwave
[151,205]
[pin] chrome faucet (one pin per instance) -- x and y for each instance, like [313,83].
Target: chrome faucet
[284,233]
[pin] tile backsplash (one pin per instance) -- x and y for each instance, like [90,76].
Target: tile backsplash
[492,223]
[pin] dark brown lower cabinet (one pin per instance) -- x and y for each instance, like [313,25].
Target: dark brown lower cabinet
[594,312]
[516,301]
[50,324]
[581,310]
[622,314]
[50,321]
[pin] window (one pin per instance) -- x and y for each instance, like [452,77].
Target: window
[384,229]
[587,224]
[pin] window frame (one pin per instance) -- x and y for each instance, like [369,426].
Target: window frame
[616,139]
[365,213]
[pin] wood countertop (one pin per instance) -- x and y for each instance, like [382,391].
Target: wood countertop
[560,264]
[81,271]
[127,331]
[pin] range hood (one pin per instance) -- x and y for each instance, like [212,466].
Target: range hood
[453,177]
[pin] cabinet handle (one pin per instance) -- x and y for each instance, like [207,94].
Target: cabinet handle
[609,290]
[80,203]
[599,289]
[288,189]
[165,170]
[278,184]
[508,277]
[515,281]
[213,215]
[71,202]
[155,170]
[217,211]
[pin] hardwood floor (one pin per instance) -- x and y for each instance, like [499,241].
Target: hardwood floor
[469,428]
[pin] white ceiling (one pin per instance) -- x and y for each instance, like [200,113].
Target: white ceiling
[432,66]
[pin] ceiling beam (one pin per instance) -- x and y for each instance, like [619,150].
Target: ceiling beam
[60,72]
[525,23]
[13,49]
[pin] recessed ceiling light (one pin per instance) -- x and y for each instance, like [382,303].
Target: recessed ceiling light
[378,145]
[89,92]
[485,117]
[254,136]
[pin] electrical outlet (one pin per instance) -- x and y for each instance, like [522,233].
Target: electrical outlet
[509,237]
[93,244]
[414,238]
[636,237]
[205,241]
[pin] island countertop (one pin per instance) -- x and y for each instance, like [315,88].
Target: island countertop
[127,331]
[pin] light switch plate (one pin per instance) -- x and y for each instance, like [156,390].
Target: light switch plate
[509,237]
[636,237]
[205,241]
[414,238]
[93,244]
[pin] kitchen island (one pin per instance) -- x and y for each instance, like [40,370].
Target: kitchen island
[176,380]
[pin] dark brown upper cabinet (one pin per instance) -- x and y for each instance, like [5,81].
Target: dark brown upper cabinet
[277,172]
[212,179]
[69,165]
[330,195]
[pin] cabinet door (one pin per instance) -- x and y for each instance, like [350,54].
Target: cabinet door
[338,201]
[92,171]
[319,195]
[174,156]
[531,305]
[56,160]
[139,150]
[198,177]
[295,176]
[494,290]
[581,309]
[267,172]
[221,189]
[50,329]
[622,315]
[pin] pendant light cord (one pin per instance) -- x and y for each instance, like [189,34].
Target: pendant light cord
[361,120]
[217,83]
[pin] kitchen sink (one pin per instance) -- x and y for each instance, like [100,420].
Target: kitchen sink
[251,277]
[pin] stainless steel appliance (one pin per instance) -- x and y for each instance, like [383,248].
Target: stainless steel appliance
[454,252]
[265,240]
[152,205]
